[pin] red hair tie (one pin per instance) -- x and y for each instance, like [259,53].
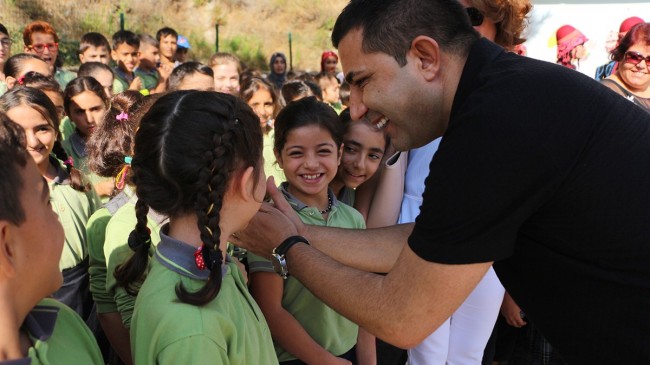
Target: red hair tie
[198,258]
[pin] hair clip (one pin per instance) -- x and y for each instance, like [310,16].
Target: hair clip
[128,159]
[21,80]
[69,162]
[122,116]
[198,258]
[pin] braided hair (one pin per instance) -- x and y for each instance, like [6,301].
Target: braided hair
[40,102]
[189,146]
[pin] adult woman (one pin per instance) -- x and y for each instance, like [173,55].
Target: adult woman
[632,78]
[570,46]
[278,70]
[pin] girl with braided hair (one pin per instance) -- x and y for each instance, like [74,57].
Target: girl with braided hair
[73,199]
[197,160]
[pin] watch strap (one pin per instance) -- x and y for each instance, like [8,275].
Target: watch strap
[288,243]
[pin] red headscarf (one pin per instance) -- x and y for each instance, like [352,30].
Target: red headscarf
[325,56]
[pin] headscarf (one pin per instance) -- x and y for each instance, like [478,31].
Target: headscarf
[277,79]
[568,38]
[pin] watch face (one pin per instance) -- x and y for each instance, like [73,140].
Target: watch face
[279,265]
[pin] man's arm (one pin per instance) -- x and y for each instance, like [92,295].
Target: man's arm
[374,250]
[403,307]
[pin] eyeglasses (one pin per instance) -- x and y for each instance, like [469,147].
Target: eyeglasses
[635,58]
[475,16]
[39,48]
[6,42]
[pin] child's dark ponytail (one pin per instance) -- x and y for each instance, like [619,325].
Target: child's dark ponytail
[214,176]
[130,274]
[189,145]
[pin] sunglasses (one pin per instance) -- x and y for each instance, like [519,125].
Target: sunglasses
[475,16]
[41,47]
[635,58]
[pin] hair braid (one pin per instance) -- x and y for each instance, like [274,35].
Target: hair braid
[130,274]
[76,180]
[214,181]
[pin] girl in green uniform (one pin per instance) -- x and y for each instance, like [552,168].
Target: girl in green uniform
[73,199]
[308,147]
[33,329]
[109,152]
[197,160]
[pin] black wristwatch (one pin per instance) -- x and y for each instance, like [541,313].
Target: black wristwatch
[279,253]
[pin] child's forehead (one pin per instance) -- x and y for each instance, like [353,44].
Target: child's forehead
[125,47]
[96,49]
[144,46]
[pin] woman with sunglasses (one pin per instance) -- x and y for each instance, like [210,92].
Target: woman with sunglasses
[632,78]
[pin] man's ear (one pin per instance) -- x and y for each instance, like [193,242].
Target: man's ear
[7,268]
[427,52]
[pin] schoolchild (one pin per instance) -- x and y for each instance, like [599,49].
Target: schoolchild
[41,40]
[308,144]
[150,70]
[227,70]
[100,72]
[191,76]
[85,103]
[73,200]
[261,96]
[168,43]
[20,64]
[294,90]
[34,329]
[110,149]
[194,306]
[94,47]
[5,53]
[125,53]
[330,86]
[47,85]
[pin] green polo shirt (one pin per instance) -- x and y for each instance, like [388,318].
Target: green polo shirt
[329,329]
[75,147]
[230,329]
[63,77]
[117,252]
[73,208]
[117,86]
[66,128]
[96,234]
[59,336]
[149,78]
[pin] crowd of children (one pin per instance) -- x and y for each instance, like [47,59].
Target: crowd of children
[148,175]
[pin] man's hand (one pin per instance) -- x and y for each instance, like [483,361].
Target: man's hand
[270,226]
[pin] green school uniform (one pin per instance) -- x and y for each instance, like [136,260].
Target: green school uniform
[63,77]
[117,86]
[75,147]
[149,79]
[66,128]
[59,337]
[73,208]
[270,167]
[230,329]
[123,78]
[329,329]
[3,87]
[117,252]
[96,234]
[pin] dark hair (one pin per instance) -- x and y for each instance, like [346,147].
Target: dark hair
[305,112]
[3,29]
[92,39]
[90,68]
[346,121]
[295,89]
[189,145]
[253,84]
[184,70]
[390,26]
[79,85]
[164,32]
[13,65]
[14,157]
[113,140]
[638,34]
[40,102]
[41,82]
[125,36]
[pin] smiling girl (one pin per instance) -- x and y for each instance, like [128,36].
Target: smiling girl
[72,200]
[308,145]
